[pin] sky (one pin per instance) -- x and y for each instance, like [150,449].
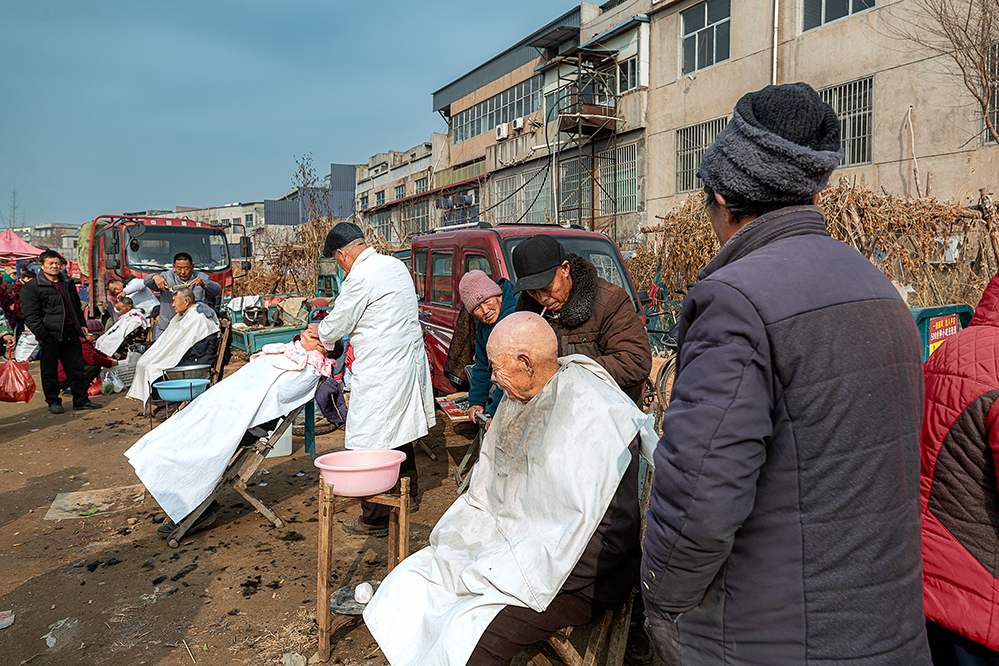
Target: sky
[109,107]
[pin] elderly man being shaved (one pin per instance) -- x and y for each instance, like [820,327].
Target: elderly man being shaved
[547,534]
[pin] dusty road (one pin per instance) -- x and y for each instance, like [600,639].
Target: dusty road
[104,588]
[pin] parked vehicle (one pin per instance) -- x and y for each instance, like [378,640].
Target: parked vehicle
[440,259]
[120,247]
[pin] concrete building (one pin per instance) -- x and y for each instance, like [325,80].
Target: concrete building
[49,235]
[908,124]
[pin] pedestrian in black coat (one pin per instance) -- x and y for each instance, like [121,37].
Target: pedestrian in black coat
[51,308]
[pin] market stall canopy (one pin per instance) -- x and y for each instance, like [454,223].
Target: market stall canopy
[12,247]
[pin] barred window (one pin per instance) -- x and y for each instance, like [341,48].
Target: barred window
[382,224]
[819,12]
[421,185]
[537,196]
[364,202]
[705,35]
[517,101]
[853,102]
[576,189]
[400,191]
[380,198]
[619,180]
[691,142]
[505,199]
[416,218]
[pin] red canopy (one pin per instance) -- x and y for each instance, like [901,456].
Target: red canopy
[12,247]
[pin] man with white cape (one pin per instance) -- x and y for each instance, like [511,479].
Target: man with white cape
[129,322]
[547,535]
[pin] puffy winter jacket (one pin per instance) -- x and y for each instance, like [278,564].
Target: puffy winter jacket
[960,496]
[599,320]
[784,525]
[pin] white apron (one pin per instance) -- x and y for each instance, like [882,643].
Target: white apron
[182,334]
[391,398]
[112,338]
[547,472]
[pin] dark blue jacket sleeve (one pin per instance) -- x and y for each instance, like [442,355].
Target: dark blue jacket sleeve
[478,391]
[713,446]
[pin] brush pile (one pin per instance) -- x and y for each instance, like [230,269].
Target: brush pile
[936,251]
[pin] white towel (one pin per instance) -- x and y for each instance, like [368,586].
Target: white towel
[112,338]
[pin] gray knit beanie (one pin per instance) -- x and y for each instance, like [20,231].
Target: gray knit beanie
[781,145]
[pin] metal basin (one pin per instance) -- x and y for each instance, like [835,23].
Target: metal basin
[187,372]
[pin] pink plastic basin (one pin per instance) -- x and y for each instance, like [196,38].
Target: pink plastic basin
[361,472]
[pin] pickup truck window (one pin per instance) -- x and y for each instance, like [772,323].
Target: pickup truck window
[602,254]
[420,274]
[478,262]
[442,278]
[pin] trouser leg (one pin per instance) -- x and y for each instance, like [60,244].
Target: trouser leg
[378,514]
[90,373]
[72,363]
[48,368]
[515,628]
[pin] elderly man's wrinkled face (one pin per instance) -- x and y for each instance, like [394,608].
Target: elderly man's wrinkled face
[556,293]
[181,304]
[184,269]
[513,374]
[488,310]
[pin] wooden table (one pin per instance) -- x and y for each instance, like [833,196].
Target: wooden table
[398,540]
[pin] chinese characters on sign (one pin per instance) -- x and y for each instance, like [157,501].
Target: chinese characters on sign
[942,328]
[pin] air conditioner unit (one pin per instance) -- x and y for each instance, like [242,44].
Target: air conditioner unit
[502,131]
[518,123]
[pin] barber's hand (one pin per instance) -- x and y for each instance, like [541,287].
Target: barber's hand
[160,282]
[197,282]
[473,410]
[310,342]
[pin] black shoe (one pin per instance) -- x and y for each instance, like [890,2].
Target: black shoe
[206,519]
[89,404]
[56,408]
[639,651]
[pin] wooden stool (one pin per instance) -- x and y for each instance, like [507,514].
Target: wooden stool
[398,538]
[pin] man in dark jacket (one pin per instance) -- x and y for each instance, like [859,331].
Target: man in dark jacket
[51,309]
[489,302]
[784,524]
[590,315]
[960,446]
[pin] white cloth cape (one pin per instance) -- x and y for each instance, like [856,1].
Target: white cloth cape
[182,334]
[112,338]
[180,461]
[391,399]
[546,474]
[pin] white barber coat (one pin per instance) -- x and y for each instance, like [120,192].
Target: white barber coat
[391,400]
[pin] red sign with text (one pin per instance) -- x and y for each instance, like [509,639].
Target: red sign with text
[942,328]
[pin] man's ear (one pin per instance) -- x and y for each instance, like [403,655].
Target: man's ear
[525,359]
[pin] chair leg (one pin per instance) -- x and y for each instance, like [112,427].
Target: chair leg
[325,559]
[564,649]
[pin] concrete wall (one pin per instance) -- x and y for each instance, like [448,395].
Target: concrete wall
[944,120]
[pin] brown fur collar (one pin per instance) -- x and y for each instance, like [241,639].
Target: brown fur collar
[579,307]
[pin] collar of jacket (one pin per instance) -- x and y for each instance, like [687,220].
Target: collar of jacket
[579,306]
[774,226]
[44,281]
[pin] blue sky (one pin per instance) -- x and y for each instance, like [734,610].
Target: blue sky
[110,107]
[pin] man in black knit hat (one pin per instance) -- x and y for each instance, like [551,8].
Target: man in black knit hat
[784,524]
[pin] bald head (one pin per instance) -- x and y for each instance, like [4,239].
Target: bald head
[523,352]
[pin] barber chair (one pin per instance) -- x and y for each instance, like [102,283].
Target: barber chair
[225,337]
[241,468]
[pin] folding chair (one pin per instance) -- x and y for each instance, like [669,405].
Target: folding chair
[225,334]
[242,467]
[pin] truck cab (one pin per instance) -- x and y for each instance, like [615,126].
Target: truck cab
[440,259]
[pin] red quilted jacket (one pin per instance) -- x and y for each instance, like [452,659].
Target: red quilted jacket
[960,495]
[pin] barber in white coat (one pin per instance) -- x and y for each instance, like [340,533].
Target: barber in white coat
[391,399]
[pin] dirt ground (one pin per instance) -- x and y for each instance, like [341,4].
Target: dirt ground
[104,588]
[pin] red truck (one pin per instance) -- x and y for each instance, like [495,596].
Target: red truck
[120,247]
[440,259]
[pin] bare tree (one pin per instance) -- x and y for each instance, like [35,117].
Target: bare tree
[11,217]
[966,32]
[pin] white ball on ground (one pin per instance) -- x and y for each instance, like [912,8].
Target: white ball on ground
[363,593]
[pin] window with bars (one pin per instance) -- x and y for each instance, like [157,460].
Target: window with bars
[517,101]
[421,185]
[618,180]
[627,75]
[705,35]
[364,202]
[853,102]
[691,142]
[249,220]
[382,224]
[416,218]
[505,199]
[815,13]
[536,195]
[380,198]
[575,189]
[400,191]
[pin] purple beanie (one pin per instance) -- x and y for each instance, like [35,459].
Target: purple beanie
[475,287]
[95,327]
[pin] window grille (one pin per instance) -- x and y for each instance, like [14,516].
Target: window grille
[380,198]
[536,195]
[575,189]
[853,102]
[815,13]
[619,180]
[364,202]
[505,211]
[382,224]
[691,142]
[705,35]
[416,218]
[421,185]
[400,191]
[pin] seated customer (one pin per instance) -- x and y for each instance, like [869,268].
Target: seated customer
[548,533]
[181,460]
[190,338]
[130,328]
[93,359]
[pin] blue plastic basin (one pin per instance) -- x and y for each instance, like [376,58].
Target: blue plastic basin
[179,390]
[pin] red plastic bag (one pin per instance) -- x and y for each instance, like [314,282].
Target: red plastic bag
[16,383]
[95,388]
